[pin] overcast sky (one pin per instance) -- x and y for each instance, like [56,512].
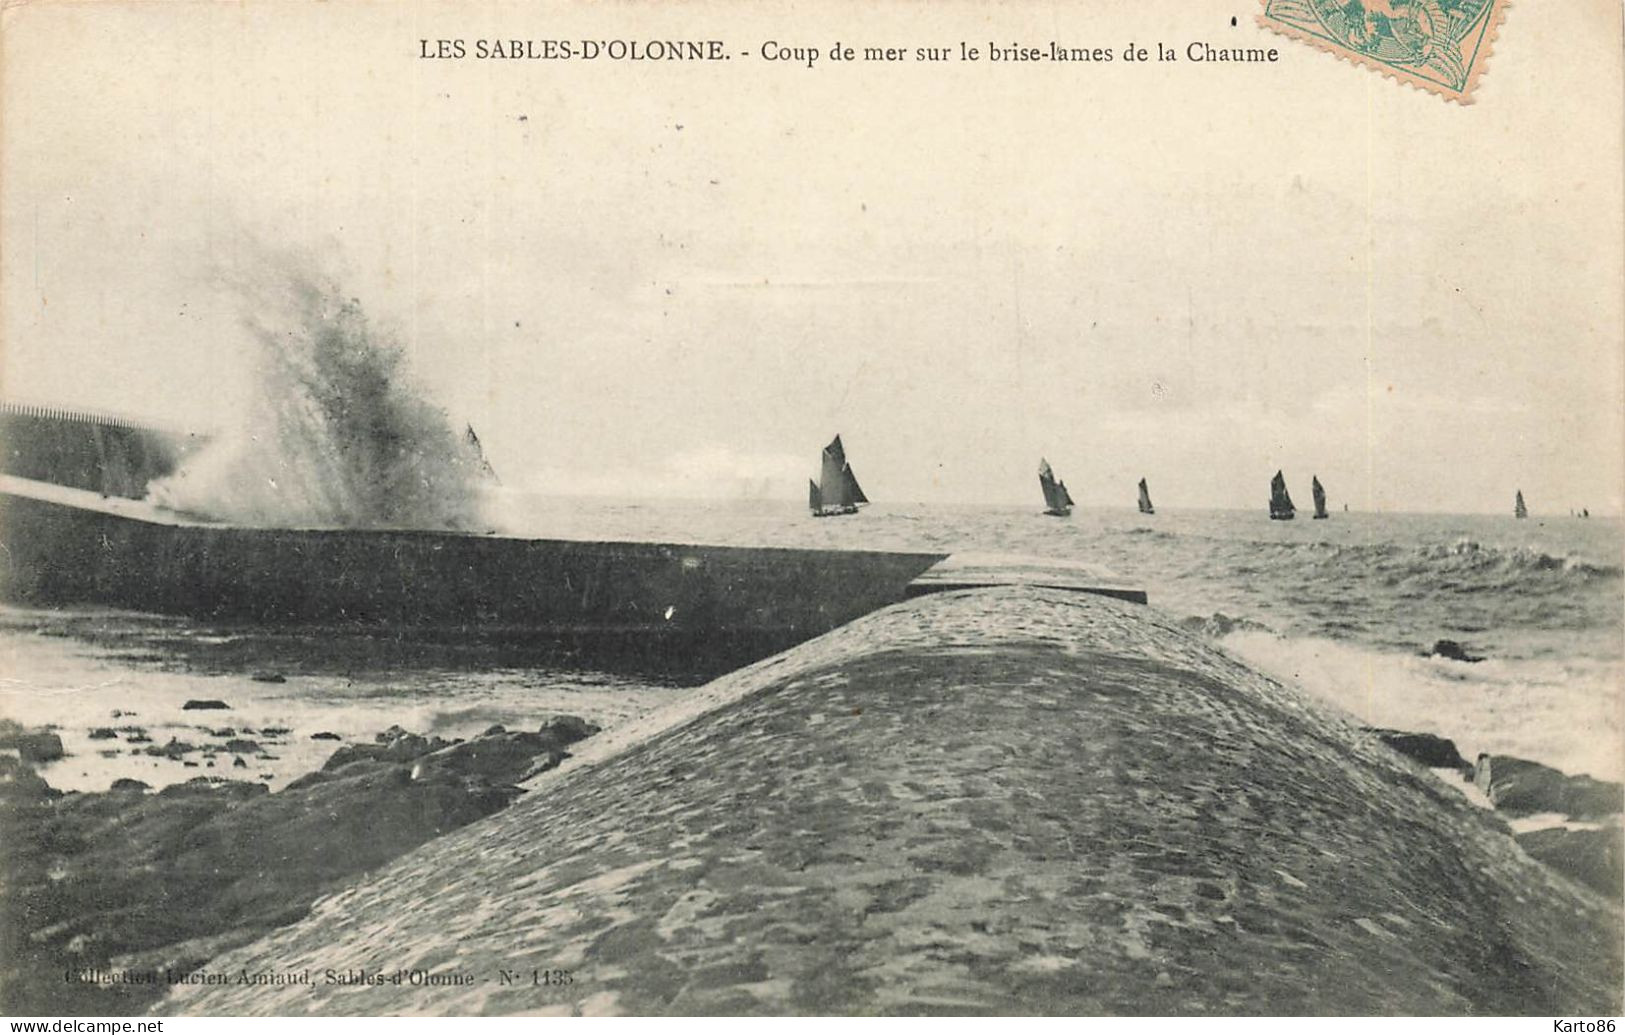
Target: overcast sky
[639,279]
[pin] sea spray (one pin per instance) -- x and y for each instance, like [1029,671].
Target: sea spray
[1561,712]
[337,434]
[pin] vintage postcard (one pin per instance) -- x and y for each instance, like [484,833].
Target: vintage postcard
[718,508]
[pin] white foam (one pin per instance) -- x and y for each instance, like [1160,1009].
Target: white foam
[1565,714]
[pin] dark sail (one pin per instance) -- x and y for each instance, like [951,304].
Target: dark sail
[1145,499]
[1320,497]
[837,490]
[1057,500]
[1281,508]
[812,494]
[1518,509]
[854,491]
[831,486]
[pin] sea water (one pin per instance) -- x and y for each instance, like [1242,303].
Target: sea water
[1347,609]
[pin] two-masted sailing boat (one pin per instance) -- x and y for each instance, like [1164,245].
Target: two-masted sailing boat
[1320,497]
[1281,508]
[1145,499]
[1057,501]
[837,490]
[1519,511]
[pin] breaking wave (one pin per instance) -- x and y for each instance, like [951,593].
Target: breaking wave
[338,434]
[1462,566]
[1560,711]
[1470,555]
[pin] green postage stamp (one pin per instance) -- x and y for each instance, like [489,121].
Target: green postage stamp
[1438,45]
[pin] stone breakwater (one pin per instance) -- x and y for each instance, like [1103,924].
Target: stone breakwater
[1004,801]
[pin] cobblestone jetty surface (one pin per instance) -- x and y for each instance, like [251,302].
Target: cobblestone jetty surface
[1010,800]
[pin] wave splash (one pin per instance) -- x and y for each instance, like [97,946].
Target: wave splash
[338,434]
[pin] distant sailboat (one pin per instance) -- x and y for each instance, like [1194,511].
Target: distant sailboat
[1519,511]
[1057,501]
[1281,508]
[1145,499]
[1320,498]
[837,490]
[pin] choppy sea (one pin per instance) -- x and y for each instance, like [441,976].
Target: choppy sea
[1345,608]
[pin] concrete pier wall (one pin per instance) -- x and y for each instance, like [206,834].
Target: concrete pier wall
[706,605]
[96,452]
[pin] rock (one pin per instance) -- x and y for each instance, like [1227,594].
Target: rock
[173,750]
[401,747]
[273,731]
[565,730]
[175,875]
[243,747]
[103,733]
[325,735]
[1453,651]
[1219,625]
[268,677]
[238,763]
[206,705]
[1595,858]
[216,788]
[1521,787]
[501,758]
[30,745]
[224,731]
[38,747]
[18,782]
[541,764]
[135,735]
[494,730]
[1432,751]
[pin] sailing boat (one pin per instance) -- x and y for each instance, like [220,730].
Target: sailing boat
[1057,501]
[1519,511]
[836,491]
[1145,499]
[1320,497]
[1281,508]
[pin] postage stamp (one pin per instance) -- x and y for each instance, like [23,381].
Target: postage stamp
[1441,46]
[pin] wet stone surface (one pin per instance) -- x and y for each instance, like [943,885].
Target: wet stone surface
[1011,801]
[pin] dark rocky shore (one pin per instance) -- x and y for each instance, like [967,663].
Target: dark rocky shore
[135,882]
[1582,837]
[1008,801]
